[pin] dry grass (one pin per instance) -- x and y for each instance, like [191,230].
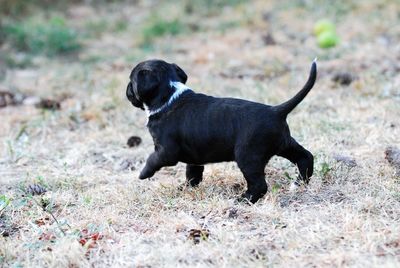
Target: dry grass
[347,216]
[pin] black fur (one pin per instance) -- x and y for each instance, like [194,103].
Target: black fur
[198,129]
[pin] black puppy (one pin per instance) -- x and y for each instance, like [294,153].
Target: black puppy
[198,129]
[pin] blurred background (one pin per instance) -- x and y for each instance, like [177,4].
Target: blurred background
[235,39]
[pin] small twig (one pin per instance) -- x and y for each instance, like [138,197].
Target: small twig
[7,202]
[51,214]
[1,210]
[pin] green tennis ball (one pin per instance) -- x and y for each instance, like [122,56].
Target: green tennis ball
[324,26]
[327,39]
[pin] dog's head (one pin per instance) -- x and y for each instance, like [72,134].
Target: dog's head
[150,83]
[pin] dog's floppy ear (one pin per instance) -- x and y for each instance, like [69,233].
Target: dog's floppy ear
[146,82]
[181,74]
[132,98]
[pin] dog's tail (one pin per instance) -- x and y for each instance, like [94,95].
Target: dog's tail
[285,108]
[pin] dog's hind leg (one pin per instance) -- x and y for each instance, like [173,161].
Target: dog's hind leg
[300,157]
[252,168]
[194,174]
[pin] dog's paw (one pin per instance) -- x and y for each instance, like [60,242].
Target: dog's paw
[143,175]
[245,198]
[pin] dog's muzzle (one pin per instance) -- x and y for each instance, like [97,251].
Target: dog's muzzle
[130,94]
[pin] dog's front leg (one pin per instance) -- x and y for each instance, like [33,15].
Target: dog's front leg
[155,162]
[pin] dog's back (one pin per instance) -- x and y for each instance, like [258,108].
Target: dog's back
[209,129]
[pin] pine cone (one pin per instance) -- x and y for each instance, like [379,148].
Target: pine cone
[134,141]
[35,189]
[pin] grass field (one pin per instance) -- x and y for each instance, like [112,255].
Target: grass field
[96,212]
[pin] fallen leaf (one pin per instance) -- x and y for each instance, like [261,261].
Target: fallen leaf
[42,221]
[49,104]
[198,235]
[47,236]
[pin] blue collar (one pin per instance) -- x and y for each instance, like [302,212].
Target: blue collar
[179,89]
